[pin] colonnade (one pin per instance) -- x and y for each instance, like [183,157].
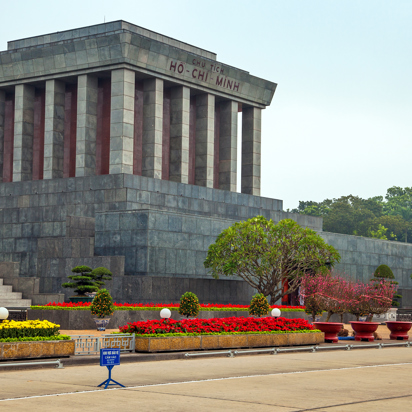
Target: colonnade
[121,124]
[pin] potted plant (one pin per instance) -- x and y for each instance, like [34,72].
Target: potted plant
[82,283]
[325,293]
[399,329]
[189,305]
[102,307]
[369,299]
[259,305]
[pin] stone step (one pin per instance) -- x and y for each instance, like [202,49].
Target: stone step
[1,281]
[6,288]
[15,303]
[10,295]
[27,285]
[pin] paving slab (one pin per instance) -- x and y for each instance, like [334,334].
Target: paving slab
[368,379]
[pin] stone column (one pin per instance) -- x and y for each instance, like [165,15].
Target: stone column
[2,122]
[179,134]
[86,125]
[228,146]
[205,139]
[23,133]
[251,130]
[122,121]
[152,128]
[54,130]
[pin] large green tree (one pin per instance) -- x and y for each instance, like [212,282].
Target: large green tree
[389,218]
[265,254]
[399,203]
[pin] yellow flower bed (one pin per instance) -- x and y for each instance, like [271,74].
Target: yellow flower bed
[27,328]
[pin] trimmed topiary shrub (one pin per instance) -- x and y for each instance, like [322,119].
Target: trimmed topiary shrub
[189,305]
[385,272]
[101,274]
[82,282]
[259,305]
[102,304]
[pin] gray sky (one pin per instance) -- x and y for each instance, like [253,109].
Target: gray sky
[341,119]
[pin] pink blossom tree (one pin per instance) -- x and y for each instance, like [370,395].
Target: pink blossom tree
[337,295]
[372,298]
[327,293]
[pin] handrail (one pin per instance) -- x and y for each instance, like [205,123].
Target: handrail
[313,349]
[57,362]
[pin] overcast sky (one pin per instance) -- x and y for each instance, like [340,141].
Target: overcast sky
[341,119]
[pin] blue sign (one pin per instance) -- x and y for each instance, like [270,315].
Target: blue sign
[109,357]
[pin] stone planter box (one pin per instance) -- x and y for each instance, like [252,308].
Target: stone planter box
[82,319]
[35,350]
[211,342]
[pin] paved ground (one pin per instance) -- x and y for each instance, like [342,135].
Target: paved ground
[339,380]
[358,380]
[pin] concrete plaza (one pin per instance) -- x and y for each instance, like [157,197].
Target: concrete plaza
[357,380]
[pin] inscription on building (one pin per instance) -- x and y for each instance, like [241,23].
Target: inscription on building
[211,73]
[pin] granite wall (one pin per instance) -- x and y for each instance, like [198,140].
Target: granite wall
[361,256]
[161,230]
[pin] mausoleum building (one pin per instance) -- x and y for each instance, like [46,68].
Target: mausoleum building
[116,98]
[118,148]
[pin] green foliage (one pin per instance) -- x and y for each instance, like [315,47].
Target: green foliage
[264,254]
[259,305]
[154,308]
[36,338]
[22,332]
[99,275]
[102,304]
[379,233]
[384,271]
[387,219]
[189,304]
[82,282]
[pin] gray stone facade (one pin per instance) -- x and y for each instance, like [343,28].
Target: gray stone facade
[50,226]
[361,256]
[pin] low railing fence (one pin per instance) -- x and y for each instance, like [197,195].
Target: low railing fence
[91,345]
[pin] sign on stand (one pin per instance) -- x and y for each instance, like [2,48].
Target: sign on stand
[110,357]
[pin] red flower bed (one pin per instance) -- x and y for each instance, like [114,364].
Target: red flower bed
[167,305]
[216,325]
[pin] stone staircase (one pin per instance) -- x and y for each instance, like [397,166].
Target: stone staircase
[27,286]
[10,299]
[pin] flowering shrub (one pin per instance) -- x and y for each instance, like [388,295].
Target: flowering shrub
[337,295]
[216,325]
[28,328]
[332,294]
[155,306]
[102,304]
[259,305]
[189,304]
[372,298]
